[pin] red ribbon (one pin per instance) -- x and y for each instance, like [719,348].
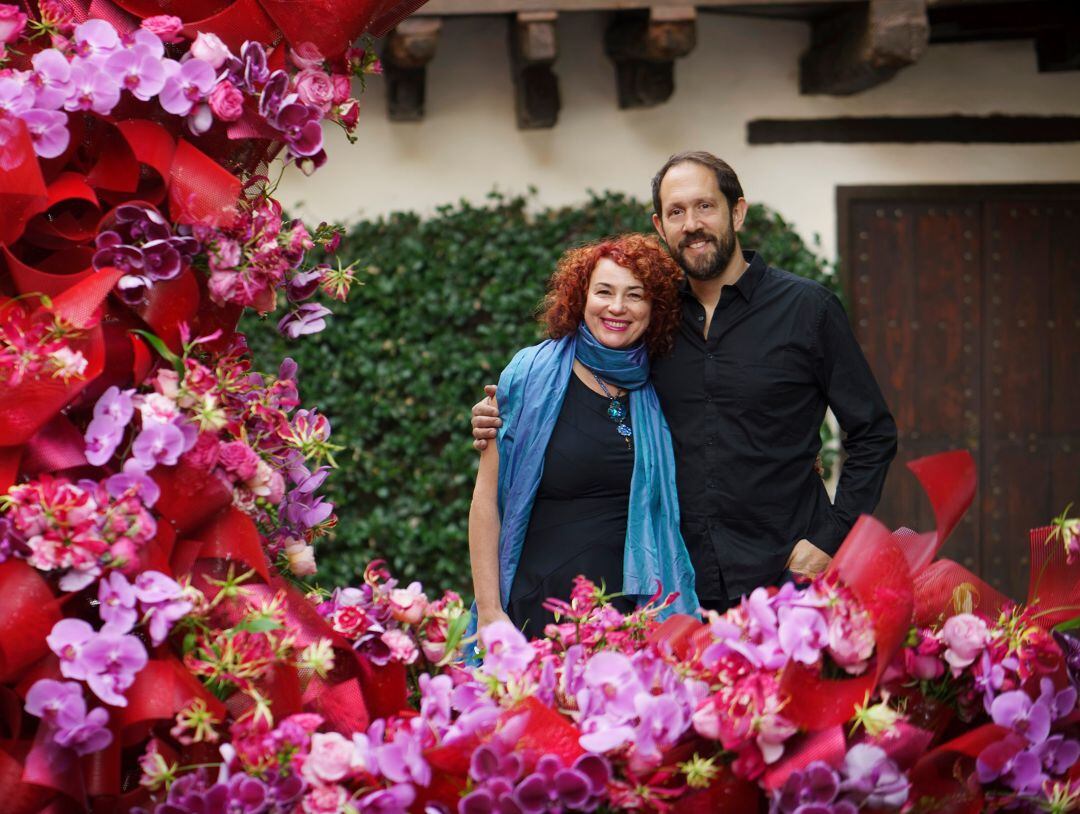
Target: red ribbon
[30,611]
[22,187]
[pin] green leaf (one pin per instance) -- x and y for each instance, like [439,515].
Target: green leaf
[163,350]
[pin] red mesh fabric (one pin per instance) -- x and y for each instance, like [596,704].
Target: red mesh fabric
[393,15]
[57,446]
[949,482]
[22,187]
[1054,583]
[827,745]
[945,588]
[30,611]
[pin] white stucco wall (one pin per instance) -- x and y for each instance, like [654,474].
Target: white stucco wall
[742,69]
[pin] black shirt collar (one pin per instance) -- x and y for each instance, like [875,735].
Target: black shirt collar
[746,283]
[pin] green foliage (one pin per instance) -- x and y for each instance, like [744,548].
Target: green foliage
[445,303]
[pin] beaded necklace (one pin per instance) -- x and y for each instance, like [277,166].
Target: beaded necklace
[616,411]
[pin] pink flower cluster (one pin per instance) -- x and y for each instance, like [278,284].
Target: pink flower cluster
[90,67]
[80,528]
[753,642]
[34,344]
[387,623]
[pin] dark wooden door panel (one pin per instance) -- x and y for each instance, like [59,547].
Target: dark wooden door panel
[916,288]
[967,304]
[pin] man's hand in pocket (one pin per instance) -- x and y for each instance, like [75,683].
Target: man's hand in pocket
[807,559]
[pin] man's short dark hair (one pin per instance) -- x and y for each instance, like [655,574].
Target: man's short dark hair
[725,176]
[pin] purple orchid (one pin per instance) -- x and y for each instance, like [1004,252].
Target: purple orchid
[68,640]
[158,444]
[91,88]
[133,477]
[162,602]
[95,38]
[51,78]
[873,778]
[552,787]
[507,653]
[309,318]
[394,800]
[402,759]
[802,633]
[111,661]
[299,124]
[138,70]
[103,435]
[1019,713]
[185,85]
[116,598]
[15,97]
[61,705]
[48,131]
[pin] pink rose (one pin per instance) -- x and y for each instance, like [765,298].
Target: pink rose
[204,455]
[329,758]
[225,253]
[315,88]
[167,383]
[965,635]
[407,605]
[402,647]
[209,48]
[324,800]
[306,55]
[301,559]
[227,101]
[349,114]
[239,460]
[165,26]
[342,88]
[12,23]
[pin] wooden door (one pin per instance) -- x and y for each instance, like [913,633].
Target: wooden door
[966,301]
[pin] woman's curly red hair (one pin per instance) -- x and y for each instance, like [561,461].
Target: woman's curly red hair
[643,256]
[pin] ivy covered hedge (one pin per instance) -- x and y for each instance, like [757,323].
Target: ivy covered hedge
[445,302]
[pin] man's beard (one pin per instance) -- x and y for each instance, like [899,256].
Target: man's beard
[705,267]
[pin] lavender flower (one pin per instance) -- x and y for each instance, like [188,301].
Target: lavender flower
[50,78]
[15,97]
[102,437]
[871,777]
[309,318]
[1016,711]
[61,705]
[138,70]
[68,639]
[110,661]
[185,85]
[158,444]
[48,131]
[162,602]
[116,600]
[506,651]
[95,38]
[91,88]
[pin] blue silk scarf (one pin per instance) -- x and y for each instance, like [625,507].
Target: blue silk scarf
[530,397]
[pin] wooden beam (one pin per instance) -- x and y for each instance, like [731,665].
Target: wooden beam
[461,7]
[406,52]
[863,47]
[533,49]
[993,129]
[644,47]
[1059,50]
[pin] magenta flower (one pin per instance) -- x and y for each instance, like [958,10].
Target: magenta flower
[309,318]
[138,71]
[1016,711]
[116,600]
[91,88]
[111,661]
[61,705]
[184,86]
[158,444]
[133,479]
[50,78]
[165,27]
[507,653]
[95,38]
[873,778]
[15,97]
[102,437]
[48,130]
[68,640]
[162,602]
[402,759]
[802,633]
[299,124]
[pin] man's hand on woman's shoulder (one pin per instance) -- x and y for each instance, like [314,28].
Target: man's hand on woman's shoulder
[485,419]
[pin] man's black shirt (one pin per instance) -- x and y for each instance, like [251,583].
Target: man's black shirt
[745,406]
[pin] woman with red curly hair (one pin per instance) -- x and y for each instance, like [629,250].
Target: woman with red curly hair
[582,477]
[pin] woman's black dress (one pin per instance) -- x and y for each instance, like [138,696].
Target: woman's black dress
[578,522]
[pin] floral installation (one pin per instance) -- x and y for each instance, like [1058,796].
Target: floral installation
[160,499]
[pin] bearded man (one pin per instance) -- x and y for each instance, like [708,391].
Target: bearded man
[759,356]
